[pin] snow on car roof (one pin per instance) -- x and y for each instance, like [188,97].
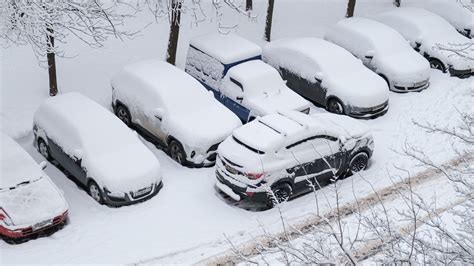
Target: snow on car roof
[430,23]
[83,122]
[452,11]
[165,81]
[226,48]
[16,164]
[319,54]
[380,35]
[271,131]
[257,75]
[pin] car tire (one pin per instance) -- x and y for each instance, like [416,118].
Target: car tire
[281,193]
[95,192]
[335,106]
[43,149]
[358,163]
[176,152]
[437,64]
[123,114]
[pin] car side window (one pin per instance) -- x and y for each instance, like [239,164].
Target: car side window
[234,89]
[315,140]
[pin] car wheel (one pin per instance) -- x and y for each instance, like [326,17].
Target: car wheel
[94,191]
[123,114]
[358,163]
[436,64]
[176,152]
[281,193]
[44,149]
[335,106]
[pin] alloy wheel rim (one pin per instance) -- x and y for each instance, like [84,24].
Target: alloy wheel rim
[281,195]
[436,65]
[122,114]
[335,107]
[43,149]
[358,164]
[176,154]
[95,193]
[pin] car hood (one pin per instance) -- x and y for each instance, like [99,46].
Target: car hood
[32,203]
[285,99]
[406,67]
[126,169]
[361,88]
[202,127]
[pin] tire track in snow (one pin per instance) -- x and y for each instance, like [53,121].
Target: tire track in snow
[249,249]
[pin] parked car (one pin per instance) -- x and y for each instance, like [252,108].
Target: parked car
[173,109]
[428,34]
[30,203]
[455,12]
[97,149]
[288,152]
[384,51]
[231,68]
[329,76]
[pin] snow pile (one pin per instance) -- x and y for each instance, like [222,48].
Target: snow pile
[191,113]
[112,154]
[431,31]
[26,193]
[227,49]
[392,55]
[343,75]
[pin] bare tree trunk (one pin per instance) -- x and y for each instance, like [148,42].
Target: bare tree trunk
[248,5]
[175,18]
[268,25]
[350,8]
[397,3]
[53,82]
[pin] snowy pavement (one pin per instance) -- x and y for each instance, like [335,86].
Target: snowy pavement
[187,220]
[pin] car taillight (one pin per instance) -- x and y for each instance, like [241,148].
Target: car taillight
[253,176]
[4,217]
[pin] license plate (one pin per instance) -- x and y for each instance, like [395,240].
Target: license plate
[42,224]
[142,192]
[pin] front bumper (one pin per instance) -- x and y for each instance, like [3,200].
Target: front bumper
[461,73]
[239,193]
[207,159]
[368,113]
[34,229]
[419,86]
[129,199]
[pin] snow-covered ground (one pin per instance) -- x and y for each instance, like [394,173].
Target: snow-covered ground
[187,220]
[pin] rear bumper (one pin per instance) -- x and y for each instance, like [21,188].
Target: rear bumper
[31,230]
[128,200]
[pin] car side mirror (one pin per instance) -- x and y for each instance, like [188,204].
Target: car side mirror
[43,165]
[369,55]
[159,112]
[239,98]
[319,76]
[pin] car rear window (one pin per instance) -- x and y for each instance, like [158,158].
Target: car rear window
[247,146]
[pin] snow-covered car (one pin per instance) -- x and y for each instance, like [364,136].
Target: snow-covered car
[329,76]
[231,68]
[30,203]
[173,109]
[434,38]
[287,152]
[97,149]
[457,13]
[384,51]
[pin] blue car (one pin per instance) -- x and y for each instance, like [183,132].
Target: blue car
[231,67]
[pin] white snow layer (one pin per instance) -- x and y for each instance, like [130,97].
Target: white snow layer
[112,154]
[343,75]
[191,113]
